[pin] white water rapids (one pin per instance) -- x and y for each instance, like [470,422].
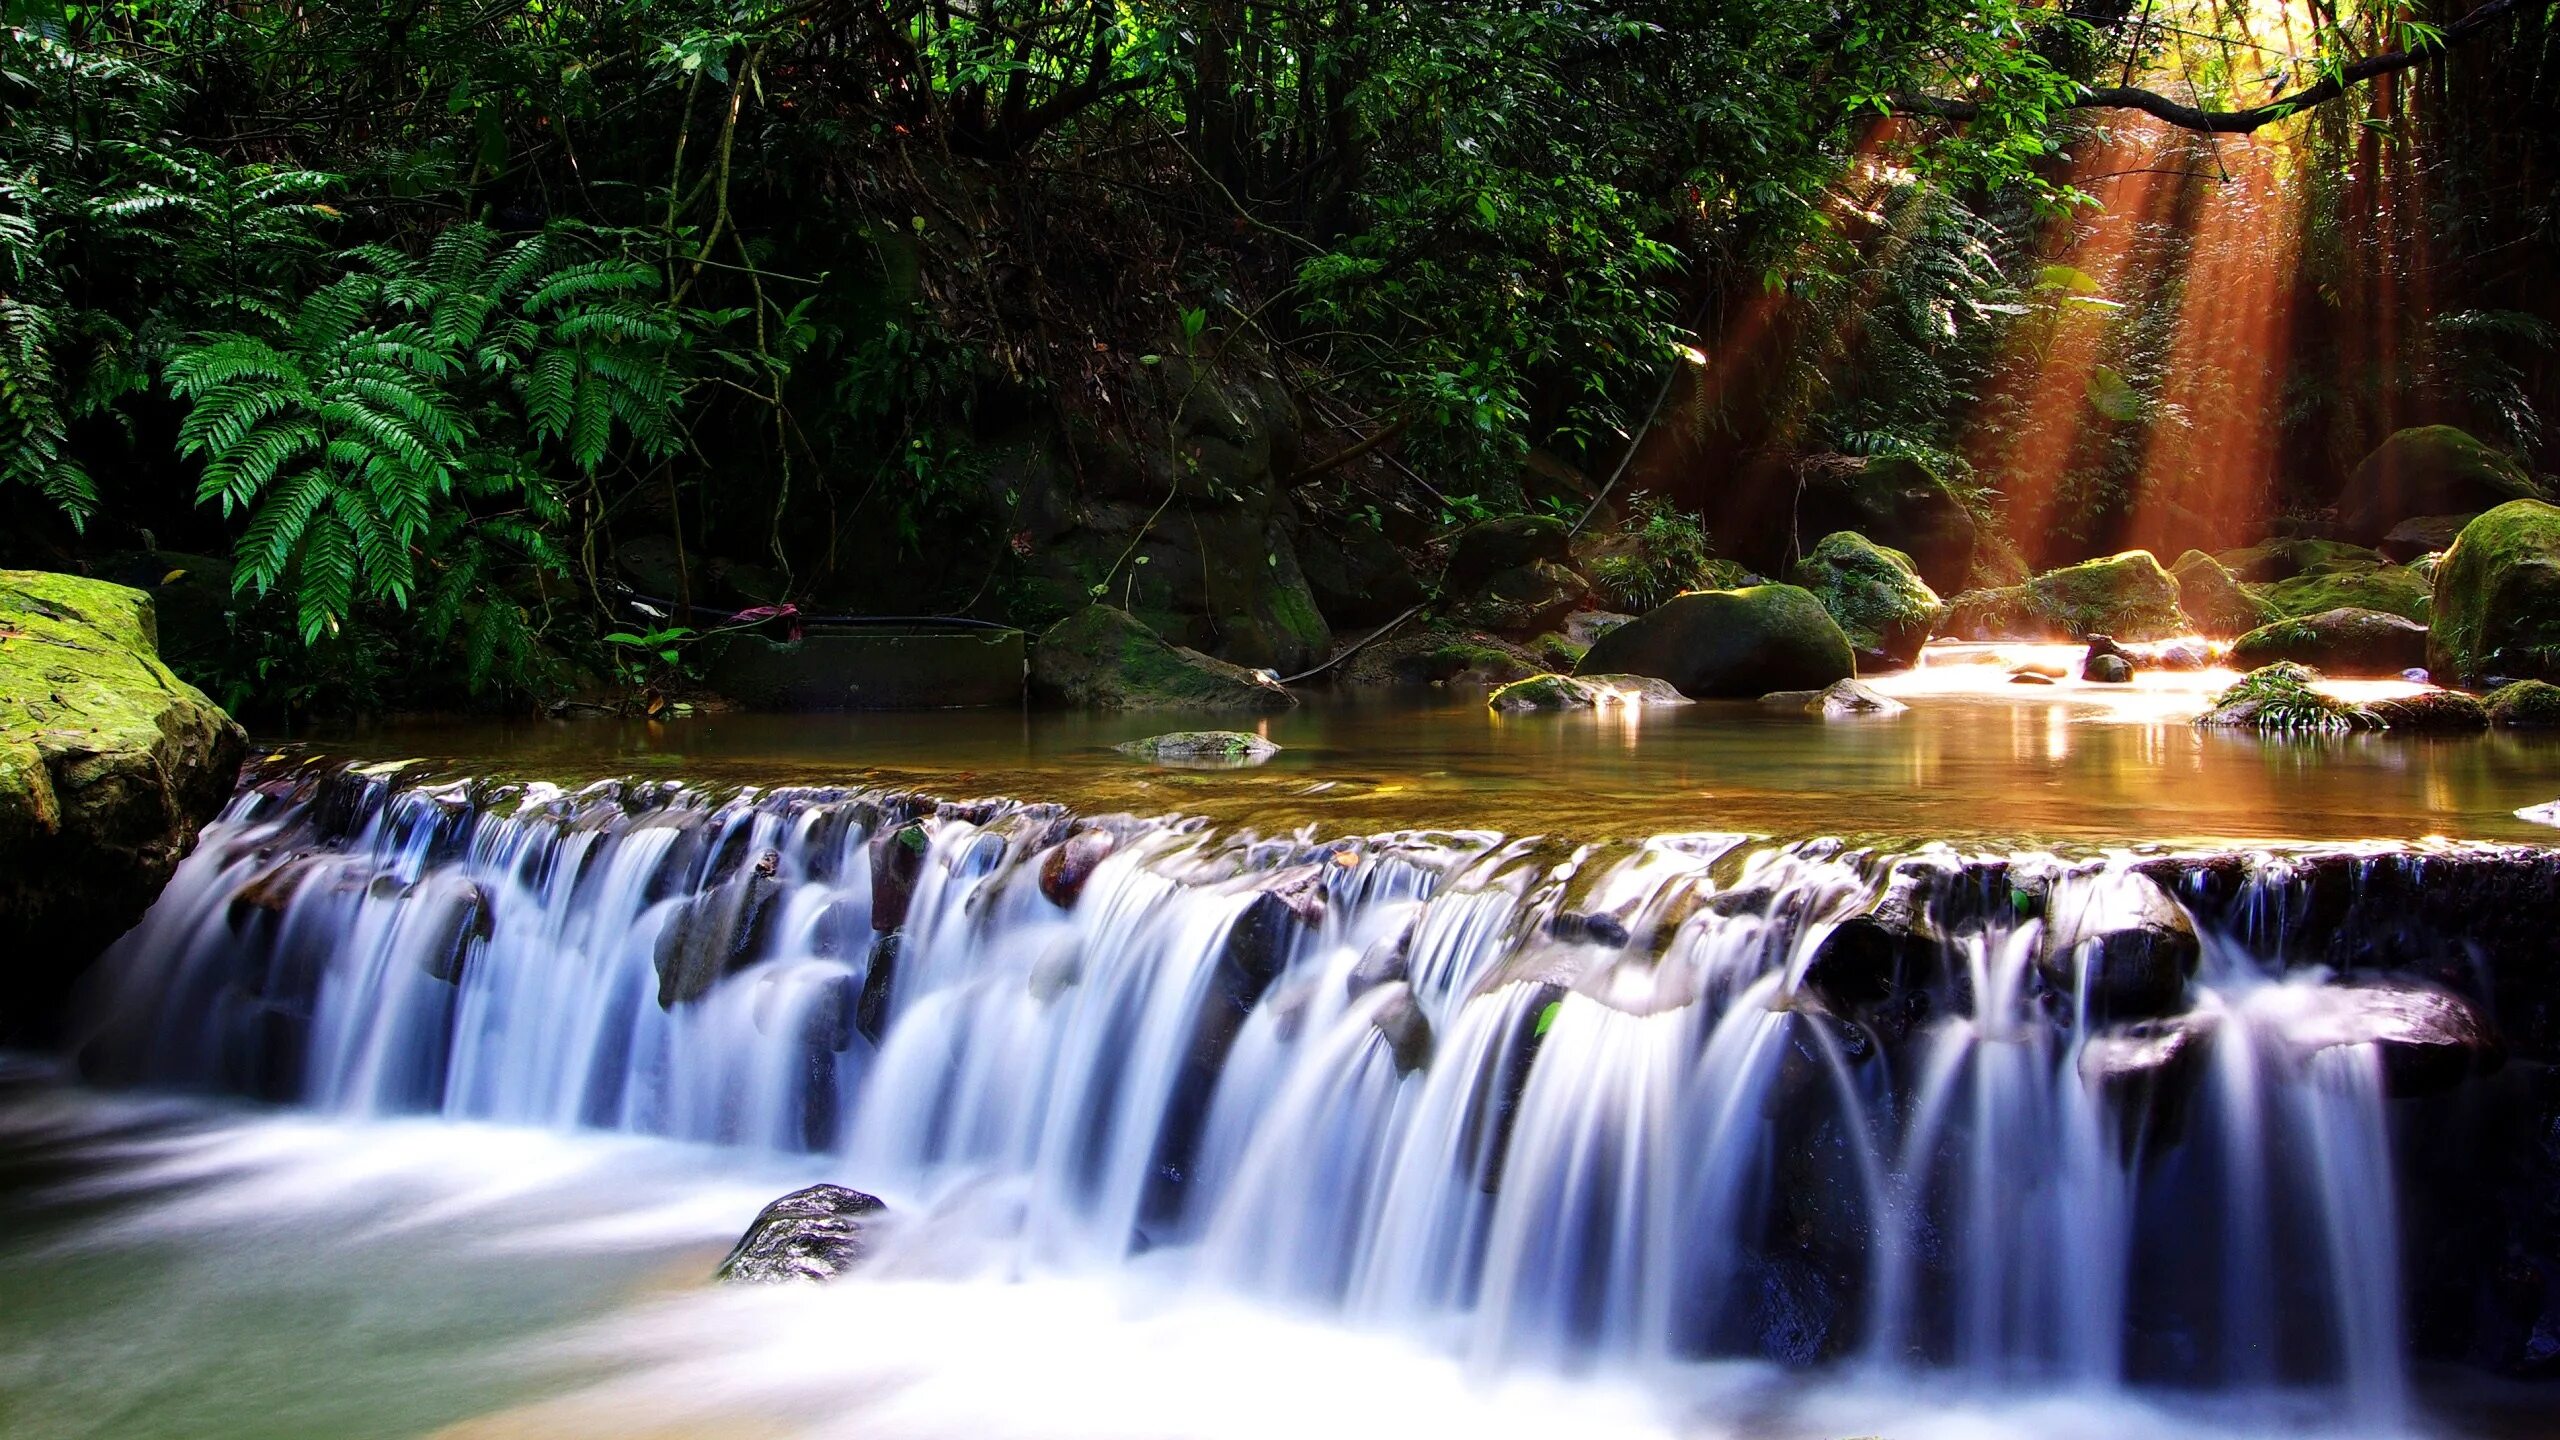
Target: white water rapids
[1443,1132]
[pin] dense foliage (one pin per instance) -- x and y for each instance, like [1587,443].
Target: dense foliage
[417,310]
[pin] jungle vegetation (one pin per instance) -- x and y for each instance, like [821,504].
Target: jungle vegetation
[410,311]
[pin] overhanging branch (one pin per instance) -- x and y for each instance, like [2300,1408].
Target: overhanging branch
[2241,122]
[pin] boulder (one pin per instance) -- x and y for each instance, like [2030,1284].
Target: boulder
[1875,594]
[813,1234]
[2280,699]
[108,766]
[2108,669]
[2284,557]
[1730,643]
[1438,654]
[2429,1040]
[1851,700]
[1585,692]
[1489,547]
[1211,748]
[2524,705]
[1522,600]
[2444,712]
[2344,641]
[2212,598]
[1895,501]
[2497,599]
[2422,535]
[2430,470]
[2128,960]
[1582,627]
[1064,873]
[1357,577]
[1106,658]
[2391,589]
[2128,596]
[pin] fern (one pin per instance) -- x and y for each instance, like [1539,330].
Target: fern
[397,435]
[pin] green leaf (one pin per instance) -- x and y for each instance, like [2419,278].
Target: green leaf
[2111,395]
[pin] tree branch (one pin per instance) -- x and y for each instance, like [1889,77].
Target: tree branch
[2241,122]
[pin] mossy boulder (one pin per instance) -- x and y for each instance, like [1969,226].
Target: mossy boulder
[2496,612]
[1581,692]
[1206,748]
[2415,538]
[1897,501]
[108,766]
[1106,658]
[2430,470]
[2282,558]
[2391,589]
[2344,641]
[2525,705]
[1730,643]
[2127,596]
[2282,699]
[2438,712]
[1489,547]
[1523,600]
[2213,599]
[1876,594]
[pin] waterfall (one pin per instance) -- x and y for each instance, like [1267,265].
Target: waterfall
[2077,1120]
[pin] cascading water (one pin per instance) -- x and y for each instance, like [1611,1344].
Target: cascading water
[2033,1119]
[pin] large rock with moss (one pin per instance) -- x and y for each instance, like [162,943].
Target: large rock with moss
[108,766]
[2213,599]
[1875,594]
[2283,558]
[2496,611]
[2127,596]
[2391,589]
[2430,470]
[1730,644]
[2344,641]
[1896,501]
[1107,659]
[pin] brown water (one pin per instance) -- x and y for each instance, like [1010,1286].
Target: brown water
[1976,759]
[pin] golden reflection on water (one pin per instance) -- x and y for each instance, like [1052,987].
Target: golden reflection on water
[1974,760]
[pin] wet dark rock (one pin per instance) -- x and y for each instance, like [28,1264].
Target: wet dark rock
[714,935]
[2148,1073]
[1730,643]
[1386,962]
[1105,658]
[2122,963]
[2344,641]
[2110,668]
[2434,712]
[2422,535]
[2524,705]
[879,985]
[2430,1040]
[1357,577]
[808,1235]
[1064,873]
[1589,926]
[1405,1029]
[1524,600]
[1513,542]
[458,921]
[897,862]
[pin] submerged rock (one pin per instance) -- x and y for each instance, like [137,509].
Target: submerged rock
[1730,643]
[2126,961]
[1220,748]
[108,766]
[1106,658]
[2427,470]
[1876,594]
[2344,641]
[1405,1029]
[2497,599]
[1852,699]
[813,1234]
[1072,863]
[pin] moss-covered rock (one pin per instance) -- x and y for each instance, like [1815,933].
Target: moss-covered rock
[2213,599]
[2422,535]
[2269,561]
[1201,747]
[2127,596]
[2525,705]
[1105,658]
[1896,500]
[2391,589]
[2496,611]
[1489,547]
[2280,699]
[1730,643]
[1436,652]
[1523,600]
[1875,594]
[108,766]
[2430,470]
[1581,692]
[2431,712]
[2345,641]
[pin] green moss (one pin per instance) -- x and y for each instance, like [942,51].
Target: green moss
[1540,692]
[2392,589]
[2525,704]
[2127,596]
[2497,598]
[2432,710]
[1558,651]
[2213,599]
[1874,592]
[2270,561]
[1105,657]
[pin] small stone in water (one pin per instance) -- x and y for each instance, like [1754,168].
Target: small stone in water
[1226,747]
[2544,814]
[812,1234]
